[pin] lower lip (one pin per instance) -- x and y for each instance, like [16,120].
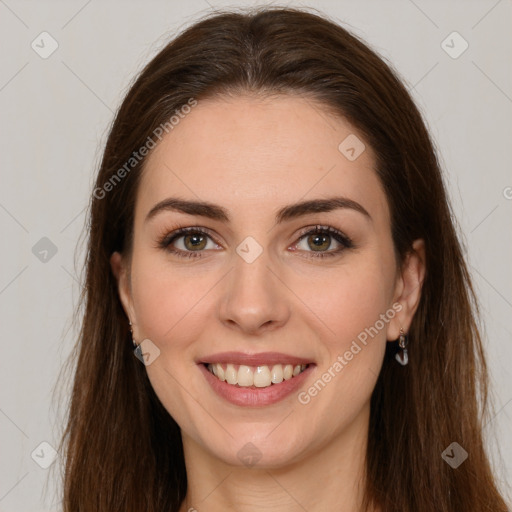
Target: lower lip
[254,397]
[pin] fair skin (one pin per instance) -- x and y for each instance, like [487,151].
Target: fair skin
[253,156]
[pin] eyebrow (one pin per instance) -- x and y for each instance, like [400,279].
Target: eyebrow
[293,211]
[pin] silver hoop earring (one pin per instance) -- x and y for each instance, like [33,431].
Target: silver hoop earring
[401,356]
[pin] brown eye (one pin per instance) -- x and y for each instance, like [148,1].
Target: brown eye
[319,239]
[187,242]
[194,242]
[319,242]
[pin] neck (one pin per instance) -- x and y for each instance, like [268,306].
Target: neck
[329,478]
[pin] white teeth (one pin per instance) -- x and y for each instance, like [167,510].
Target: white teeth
[260,376]
[220,372]
[288,372]
[277,373]
[231,374]
[245,376]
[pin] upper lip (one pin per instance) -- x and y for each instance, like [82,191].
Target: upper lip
[259,359]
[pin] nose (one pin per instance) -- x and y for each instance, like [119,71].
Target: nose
[254,298]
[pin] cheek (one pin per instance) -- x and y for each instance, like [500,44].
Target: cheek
[358,305]
[357,311]
[352,298]
[167,299]
[170,307]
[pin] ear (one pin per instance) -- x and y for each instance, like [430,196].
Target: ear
[408,287]
[121,271]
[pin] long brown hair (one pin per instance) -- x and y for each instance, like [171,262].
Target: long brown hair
[123,449]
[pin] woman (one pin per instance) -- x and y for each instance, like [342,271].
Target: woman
[270,229]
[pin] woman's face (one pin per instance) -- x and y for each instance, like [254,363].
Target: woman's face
[255,293]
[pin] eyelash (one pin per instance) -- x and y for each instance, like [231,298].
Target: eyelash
[166,241]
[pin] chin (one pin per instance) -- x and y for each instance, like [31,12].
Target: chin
[254,448]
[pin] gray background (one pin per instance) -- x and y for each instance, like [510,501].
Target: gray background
[55,116]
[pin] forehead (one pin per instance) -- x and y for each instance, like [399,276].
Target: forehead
[252,155]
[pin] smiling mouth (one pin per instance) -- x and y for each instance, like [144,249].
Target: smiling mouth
[255,376]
